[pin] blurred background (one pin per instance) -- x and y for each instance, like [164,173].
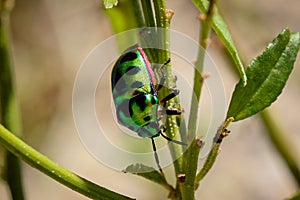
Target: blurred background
[52,38]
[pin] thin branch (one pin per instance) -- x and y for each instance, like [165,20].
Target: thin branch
[192,153]
[52,169]
[9,109]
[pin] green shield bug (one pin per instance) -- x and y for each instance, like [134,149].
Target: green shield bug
[135,95]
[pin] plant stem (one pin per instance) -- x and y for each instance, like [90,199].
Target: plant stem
[9,109]
[137,13]
[148,13]
[284,147]
[159,35]
[211,158]
[192,153]
[174,126]
[188,187]
[162,22]
[198,79]
[163,19]
[52,169]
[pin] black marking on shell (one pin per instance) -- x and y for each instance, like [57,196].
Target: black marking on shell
[132,70]
[120,85]
[140,102]
[125,108]
[128,57]
[137,84]
[148,118]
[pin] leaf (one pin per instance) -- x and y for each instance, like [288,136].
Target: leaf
[222,31]
[267,75]
[110,3]
[148,173]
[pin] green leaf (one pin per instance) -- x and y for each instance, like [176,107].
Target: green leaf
[148,173]
[222,31]
[110,3]
[267,75]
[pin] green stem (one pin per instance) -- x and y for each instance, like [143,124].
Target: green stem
[210,160]
[192,153]
[148,13]
[160,13]
[198,79]
[188,187]
[163,19]
[137,13]
[9,109]
[172,125]
[162,22]
[212,156]
[52,169]
[144,16]
[284,147]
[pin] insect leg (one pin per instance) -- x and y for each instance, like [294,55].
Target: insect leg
[174,141]
[173,112]
[161,83]
[162,113]
[164,77]
[156,156]
[170,96]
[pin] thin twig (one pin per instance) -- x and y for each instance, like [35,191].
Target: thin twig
[192,153]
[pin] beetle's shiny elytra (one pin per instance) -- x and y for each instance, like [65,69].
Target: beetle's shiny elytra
[135,94]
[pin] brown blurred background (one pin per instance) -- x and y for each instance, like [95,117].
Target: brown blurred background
[52,38]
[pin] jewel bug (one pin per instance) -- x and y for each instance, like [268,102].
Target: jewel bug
[135,95]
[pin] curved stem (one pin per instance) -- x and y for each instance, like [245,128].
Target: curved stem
[52,169]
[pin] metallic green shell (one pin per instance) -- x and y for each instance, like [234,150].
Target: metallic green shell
[134,93]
